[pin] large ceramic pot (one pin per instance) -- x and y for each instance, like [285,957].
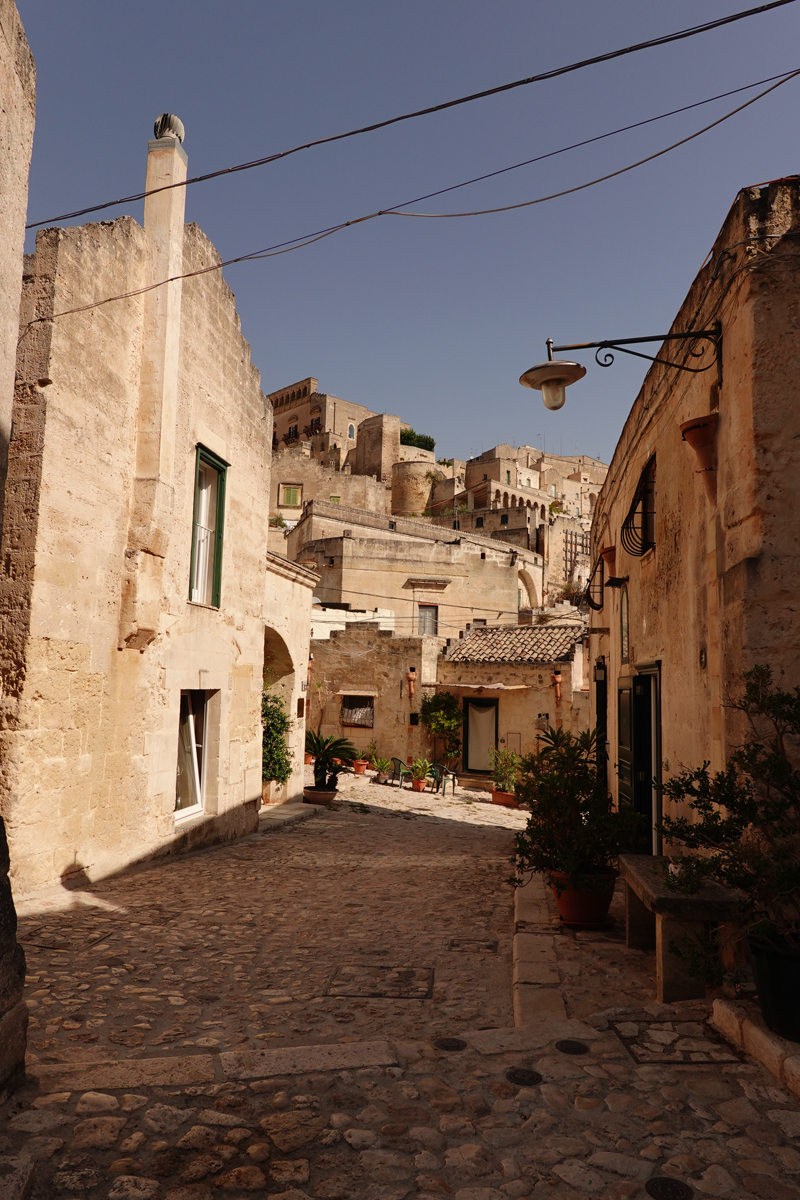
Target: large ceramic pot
[777,976]
[380,777]
[360,765]
[419,785]
[312,795]
[587,909]
[507,799]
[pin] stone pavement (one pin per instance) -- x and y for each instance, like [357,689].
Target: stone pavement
[262,1018]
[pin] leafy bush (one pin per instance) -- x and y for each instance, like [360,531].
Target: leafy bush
[744,825]
[572,827]
[442,716]
[423,441]
[276,757]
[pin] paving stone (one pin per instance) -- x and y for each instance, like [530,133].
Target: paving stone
[359,1139]
[99,1133]
[245,1179]
[16,1177]
[164,1118]
[134,1187]
[578,1175]
[42,1147]
[289,1131]
[787,1119]
[289,1170]
[38,1121]
[621,1164]
[97,1102]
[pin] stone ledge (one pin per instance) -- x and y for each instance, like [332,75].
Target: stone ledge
[280,816]
[742,1024]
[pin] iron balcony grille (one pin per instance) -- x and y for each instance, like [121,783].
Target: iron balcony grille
[594,588]
[639,527]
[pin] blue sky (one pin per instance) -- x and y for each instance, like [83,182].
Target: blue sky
[433,320]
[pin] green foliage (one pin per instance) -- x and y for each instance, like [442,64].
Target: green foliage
[555,507]
[371,751]
[423,441]
[572,827]
[382,765]
[744,827]
[506,765]
[332,755]
[420,768]
[276,757]
[277,522]
[442,716]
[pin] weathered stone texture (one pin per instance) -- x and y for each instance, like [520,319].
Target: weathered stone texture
[99,635]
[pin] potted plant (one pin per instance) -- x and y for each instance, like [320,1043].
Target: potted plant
[332,755]
[419,773]
[382,767]
[744,831]
[443,717]
[360,765]
[505,773]
[573,834]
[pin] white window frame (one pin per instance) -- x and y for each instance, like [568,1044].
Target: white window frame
[183,814]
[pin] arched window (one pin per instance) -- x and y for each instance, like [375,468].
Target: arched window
[528,505]
[505,499]
[513,501]
[624,637]
[351,431]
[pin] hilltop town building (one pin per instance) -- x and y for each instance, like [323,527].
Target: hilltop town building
[139,605]
[694,534]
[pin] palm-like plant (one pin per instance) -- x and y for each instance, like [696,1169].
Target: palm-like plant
[331,756]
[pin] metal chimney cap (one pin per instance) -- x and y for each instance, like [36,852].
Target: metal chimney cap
[168,125]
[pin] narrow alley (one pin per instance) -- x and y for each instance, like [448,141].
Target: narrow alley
[326,1011]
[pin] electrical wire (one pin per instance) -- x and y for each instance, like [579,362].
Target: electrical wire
[398,210]
[422,112]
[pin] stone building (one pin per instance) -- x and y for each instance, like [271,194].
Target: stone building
[301,413]
[694,533]
[138,599]
[367,684]
[298,477]
[431,579]
[515,682]
[17,114]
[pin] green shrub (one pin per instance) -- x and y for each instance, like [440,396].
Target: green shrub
[423,441]
[276,757]
[442,716]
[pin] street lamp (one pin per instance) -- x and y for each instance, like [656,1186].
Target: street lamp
[551,378]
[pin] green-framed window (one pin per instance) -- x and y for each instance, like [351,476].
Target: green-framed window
[208,521]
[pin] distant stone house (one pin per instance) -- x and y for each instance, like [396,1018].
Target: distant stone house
[513,683]
[695,534]
[138,602]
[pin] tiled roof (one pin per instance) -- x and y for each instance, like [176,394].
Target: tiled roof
[517,643]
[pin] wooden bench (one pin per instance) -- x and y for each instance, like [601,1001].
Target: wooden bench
[655,916]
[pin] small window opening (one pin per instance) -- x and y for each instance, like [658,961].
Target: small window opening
[428,620]
[358,711]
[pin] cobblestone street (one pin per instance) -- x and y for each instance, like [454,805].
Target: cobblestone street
[262,1018]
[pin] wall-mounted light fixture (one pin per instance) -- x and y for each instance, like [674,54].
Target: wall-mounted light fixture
[552,377]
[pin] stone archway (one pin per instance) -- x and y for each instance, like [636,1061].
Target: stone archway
[528,596]
[279,679]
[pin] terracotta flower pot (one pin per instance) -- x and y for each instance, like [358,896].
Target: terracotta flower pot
[312,795]
[360,765]
[419,785]
[380,777]
[587,909]
[309,758]
[507,799]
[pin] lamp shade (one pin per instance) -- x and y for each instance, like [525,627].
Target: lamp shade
[551,378]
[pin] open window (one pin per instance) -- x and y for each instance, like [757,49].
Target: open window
[205,572]
[192,739]
[358,711]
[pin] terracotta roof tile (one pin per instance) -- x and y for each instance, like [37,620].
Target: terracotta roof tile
[517,643]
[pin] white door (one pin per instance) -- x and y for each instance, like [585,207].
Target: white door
[481,736]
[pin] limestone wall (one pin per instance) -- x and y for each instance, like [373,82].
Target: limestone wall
[319,482]
[17,112]
[91,730]
[717,593]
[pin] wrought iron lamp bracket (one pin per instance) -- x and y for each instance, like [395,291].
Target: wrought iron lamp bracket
[604,351]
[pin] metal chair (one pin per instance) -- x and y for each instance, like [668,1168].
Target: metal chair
[400,770]
[441,774]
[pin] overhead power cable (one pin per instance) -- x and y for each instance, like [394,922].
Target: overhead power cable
[423,112]
[399,210]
